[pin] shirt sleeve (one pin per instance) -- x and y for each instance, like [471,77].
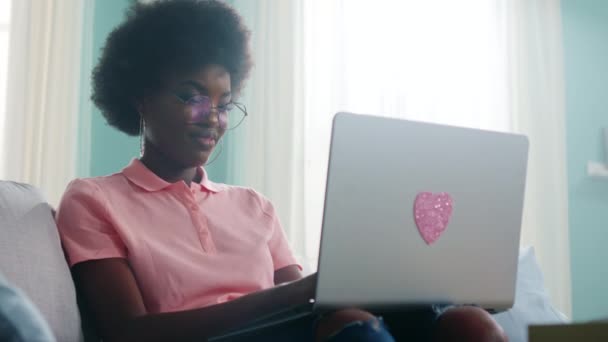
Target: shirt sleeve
[281,252]
[84,226]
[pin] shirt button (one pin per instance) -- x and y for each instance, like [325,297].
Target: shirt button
[193,191]
[194,207]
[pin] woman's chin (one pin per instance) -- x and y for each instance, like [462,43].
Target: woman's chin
[204,157]
[198,157]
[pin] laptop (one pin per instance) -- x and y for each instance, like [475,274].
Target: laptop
[415,214]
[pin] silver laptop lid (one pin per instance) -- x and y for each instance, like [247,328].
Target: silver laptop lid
[419,213]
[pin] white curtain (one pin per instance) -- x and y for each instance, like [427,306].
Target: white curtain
[533,37]
[39,136]
[266,151]
[478,63]
[435,61]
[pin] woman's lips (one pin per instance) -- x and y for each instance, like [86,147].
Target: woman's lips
[206,140]
[204,137]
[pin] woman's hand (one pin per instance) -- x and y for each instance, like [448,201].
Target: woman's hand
[287,274]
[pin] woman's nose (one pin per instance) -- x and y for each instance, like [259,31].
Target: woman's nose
[214,115]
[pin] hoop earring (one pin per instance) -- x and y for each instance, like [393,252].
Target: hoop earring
[216,154]
[142,133]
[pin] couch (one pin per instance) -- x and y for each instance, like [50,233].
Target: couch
[31,259]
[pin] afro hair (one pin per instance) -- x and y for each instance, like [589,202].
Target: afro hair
[160,38]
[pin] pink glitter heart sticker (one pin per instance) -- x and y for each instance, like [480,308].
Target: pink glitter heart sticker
[432,214]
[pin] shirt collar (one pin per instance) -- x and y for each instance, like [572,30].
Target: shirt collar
[139,174]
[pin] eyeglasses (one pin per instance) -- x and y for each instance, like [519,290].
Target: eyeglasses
[229,115]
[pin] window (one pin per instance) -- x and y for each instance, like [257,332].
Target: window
[438,61]
[5,12]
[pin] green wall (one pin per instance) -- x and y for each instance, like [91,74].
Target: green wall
[585,34]
[108,149]
[104,150]
[111,150]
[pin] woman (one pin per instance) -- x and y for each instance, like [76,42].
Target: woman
[160,252]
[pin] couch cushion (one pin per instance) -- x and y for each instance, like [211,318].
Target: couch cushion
[31,258]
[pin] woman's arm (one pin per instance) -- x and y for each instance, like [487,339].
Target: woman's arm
[111,292]
[287,274]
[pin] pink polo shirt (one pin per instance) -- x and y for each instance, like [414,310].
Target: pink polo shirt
[188,246]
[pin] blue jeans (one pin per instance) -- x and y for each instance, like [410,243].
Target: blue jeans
[363,331]
[413,325]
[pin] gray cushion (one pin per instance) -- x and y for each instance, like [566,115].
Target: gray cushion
[31,258]
[20,320]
